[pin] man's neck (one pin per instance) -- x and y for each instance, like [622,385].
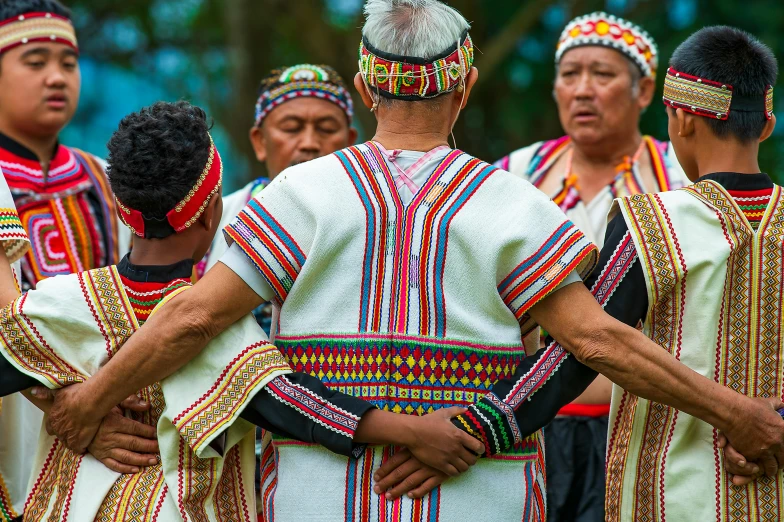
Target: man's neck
[161,252]
[42,147]
[410,129]
[728,156]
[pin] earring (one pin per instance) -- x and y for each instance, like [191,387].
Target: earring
[460,88]
[374,107]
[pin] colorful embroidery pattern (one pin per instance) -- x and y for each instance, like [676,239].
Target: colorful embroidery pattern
[313,406]
[12,234]
[30,351]
[69,232]
[229,394]
[7,512]
[50,498]
[611,31]
[407,77]
[404,374]
[110,307]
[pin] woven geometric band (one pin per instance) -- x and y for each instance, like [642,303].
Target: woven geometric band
[410,78]
[186,212]
[711,99]
[304,81]
[36,27]
[611,31]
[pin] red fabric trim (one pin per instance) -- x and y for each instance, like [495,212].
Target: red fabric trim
[585,410]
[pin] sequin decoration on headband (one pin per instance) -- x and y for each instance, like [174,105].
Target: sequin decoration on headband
[302,81]
[611,31]
[711,99]
[411,78]
[36,27]
[187,211]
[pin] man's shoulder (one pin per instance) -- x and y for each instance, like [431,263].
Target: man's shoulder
[523,162]
[95,162]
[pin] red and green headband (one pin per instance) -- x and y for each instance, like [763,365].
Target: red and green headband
[711,99]
[186,212]
[36,27]
[411,78]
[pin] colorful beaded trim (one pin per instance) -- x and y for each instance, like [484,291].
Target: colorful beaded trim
[611,31]
[304,81]
[710,99]
[187,211]
[410,78]
[36,27]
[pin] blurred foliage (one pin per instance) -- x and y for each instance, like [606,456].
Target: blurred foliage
[215,52]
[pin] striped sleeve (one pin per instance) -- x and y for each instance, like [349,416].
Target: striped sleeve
[269,247]
[563,252]
[551,378]
[12,235]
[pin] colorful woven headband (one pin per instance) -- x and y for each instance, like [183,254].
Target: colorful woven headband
[186,212]
[711,99]
[302,81]
[36,27]
[410,78]
[610,31]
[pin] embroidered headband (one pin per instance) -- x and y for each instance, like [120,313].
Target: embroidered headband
[302,81]
[611,31]
[410,78]
[186,212]
[36,27]
[711,99]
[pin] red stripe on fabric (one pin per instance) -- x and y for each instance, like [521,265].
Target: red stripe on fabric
[260,263]
[750,193]
[585,410]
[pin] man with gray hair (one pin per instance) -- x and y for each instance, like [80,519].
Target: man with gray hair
[407,273]
[605,78]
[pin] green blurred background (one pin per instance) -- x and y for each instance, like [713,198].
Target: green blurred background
[214,52]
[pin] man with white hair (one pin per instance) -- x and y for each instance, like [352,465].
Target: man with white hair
[605,78]
[406,273]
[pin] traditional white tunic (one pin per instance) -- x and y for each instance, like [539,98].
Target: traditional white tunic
[413,305]
[715,302]
[62,332]
[19,419]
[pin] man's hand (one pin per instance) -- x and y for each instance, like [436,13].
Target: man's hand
[757,433]
[404,473]
[439,444]
[72,420]
[740,472]
[124,445]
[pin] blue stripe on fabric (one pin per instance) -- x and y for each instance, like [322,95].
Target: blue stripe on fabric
[370,211]
[432,512]
[528,492]
[351,487]
[560,231]
[441,245]
[279,232]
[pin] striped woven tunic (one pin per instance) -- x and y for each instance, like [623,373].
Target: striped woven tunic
[413,306]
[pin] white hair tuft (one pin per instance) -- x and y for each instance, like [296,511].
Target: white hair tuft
[416,28]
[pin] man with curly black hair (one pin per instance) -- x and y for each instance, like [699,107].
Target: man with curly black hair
[166,174]
[61,193]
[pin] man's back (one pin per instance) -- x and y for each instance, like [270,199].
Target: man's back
[430,315]
[712,256]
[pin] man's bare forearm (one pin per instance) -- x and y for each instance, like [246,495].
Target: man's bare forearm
[631,360]
[172,337]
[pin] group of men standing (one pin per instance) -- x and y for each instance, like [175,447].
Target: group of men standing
[396,278]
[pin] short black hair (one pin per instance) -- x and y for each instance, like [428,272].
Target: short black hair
[157,155]
[14,8]
[734,57]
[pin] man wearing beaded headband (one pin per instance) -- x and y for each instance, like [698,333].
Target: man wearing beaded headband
[173,206]
[61,193]
[408,274]
[605,78]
